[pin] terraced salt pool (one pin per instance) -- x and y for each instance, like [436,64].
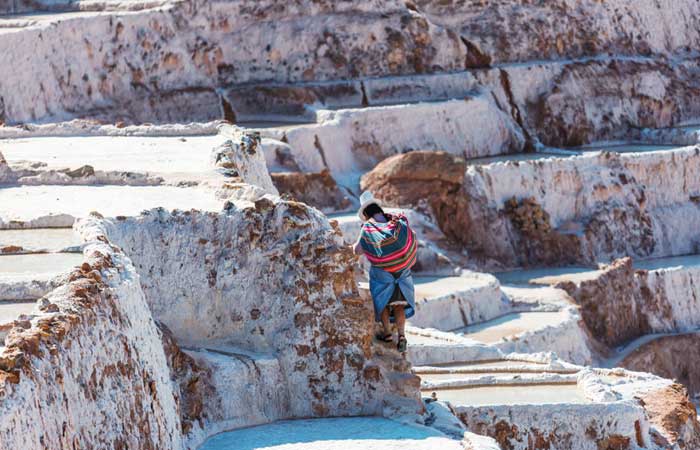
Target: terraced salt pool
[511,325]
[356,433]
[47,239]
[10,310]
[428,287]
[157,155]
[551,275]
[28,203]
[422,339]
[535,394]
[21,267]
[473,371]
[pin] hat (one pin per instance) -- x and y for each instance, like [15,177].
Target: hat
[366,199]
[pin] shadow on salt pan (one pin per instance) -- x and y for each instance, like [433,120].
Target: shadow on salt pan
[628,148]
[366,433]
[669,262]
[524,277]
[514,157]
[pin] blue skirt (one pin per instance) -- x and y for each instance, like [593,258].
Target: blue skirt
[382,285]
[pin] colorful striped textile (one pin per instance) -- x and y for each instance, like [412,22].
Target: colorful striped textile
[390,246]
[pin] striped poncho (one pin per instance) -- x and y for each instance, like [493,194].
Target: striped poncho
[389,246]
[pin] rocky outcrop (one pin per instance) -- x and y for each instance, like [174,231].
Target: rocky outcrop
[6,174]
[673,416]
[240,157]
[566,29]
[673,357]
[316,189]
[537,241]
[620,304]
[566,103]
[607,212]
[612,304]
[302,307]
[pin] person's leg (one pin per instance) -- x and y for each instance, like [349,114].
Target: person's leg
[400,318]
[386,323]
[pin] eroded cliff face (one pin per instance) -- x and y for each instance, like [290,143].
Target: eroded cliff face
[301,308]
[620,304]
[513,31]
[571,104]
[90,367]
[178,55]
[673,357]
[613,305]
[573,73]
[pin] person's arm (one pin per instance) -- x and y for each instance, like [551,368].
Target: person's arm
[357,247]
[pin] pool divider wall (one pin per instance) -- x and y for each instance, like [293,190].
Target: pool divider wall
[269,279]
[69,367]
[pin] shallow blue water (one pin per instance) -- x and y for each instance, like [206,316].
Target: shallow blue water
[282,434]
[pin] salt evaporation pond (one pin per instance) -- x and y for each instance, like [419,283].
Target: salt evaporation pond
[23,266]
[356,433]
[50,239]
[535,394]
[509,325]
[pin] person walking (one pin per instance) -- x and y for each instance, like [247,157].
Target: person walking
[390,246]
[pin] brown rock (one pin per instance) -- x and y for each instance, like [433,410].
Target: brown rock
[315,189]
[81,172]
[616,305]
[426,166]
[674,357]
[537,242]
[193,381]
[674,416]
[423,179]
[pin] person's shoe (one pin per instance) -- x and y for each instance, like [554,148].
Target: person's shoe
[402,344]
[384,337]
